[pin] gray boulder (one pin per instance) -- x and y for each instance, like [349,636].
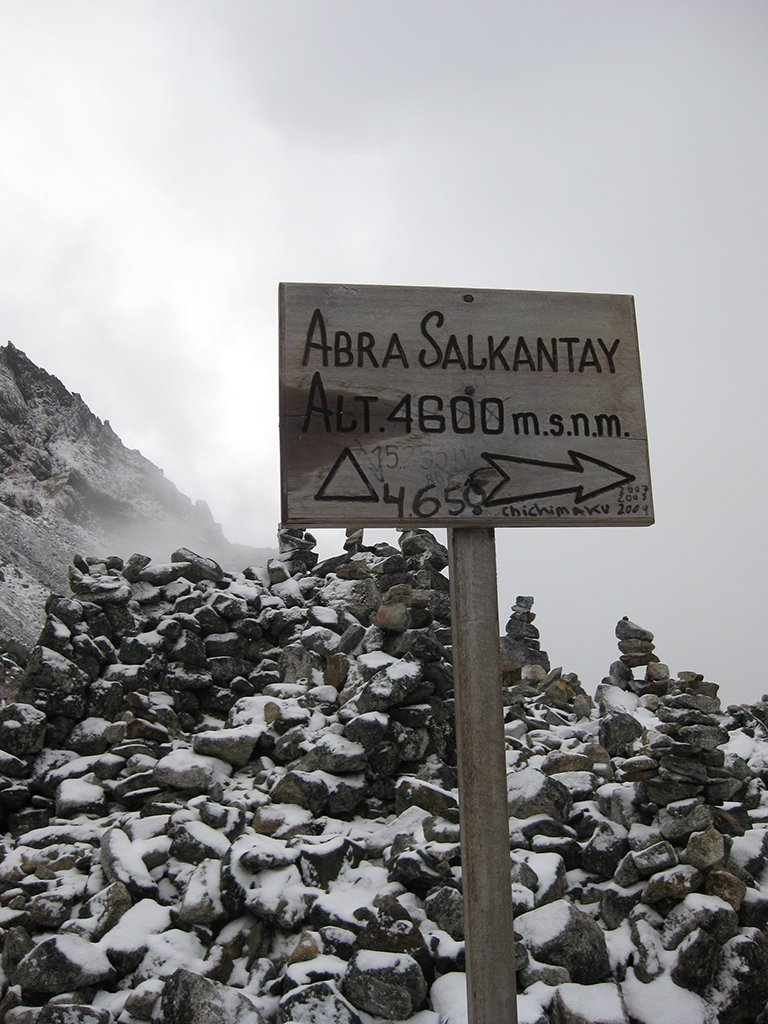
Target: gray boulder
[189,998]
[605,849]
[560,934]
[320,1001]
[618,732]
[74,1013]
[61,963]
[696,960]
[531,792]
[389,985]
[22,729]
[682,817]
[445,907]
[197,567]
[712,915]
[740,986]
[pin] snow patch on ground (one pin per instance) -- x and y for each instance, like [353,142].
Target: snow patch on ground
[662,1002]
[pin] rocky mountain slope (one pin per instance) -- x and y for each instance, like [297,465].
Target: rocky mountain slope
[68,485]
[231,797]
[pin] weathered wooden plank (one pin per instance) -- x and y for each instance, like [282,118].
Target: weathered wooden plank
[450,407]
[485,860]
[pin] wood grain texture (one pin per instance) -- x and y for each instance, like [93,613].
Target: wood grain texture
[455,407]
[485,858]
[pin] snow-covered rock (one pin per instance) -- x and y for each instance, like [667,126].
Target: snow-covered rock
[233,796]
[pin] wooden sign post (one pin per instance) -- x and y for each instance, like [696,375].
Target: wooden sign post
[414,407]
[483,813]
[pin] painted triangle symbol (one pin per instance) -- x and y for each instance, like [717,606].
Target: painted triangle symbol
[346,482]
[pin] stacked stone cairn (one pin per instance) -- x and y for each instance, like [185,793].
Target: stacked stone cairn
[231,798]
[521,643]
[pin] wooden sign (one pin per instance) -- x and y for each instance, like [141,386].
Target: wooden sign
[454,407]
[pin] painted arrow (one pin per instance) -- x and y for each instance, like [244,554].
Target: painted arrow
[525,479]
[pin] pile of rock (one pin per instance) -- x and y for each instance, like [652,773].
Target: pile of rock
[520,644]
[657,812]
[68,483]
[232,797]
[204,761]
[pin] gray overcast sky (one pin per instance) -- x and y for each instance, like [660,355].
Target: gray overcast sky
[164,164]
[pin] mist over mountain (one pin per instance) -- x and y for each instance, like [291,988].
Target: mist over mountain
[68,485]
